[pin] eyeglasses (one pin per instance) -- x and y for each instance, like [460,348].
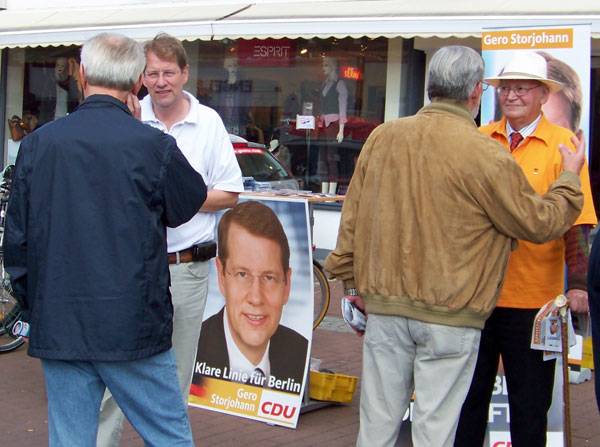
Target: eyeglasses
[154,75]
[484,86]
[504,90]
[245,280]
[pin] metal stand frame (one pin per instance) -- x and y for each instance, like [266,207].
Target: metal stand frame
[562,303]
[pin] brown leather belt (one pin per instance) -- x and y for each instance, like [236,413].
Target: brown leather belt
[197,253]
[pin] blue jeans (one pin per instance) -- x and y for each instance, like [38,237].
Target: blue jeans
[147,390]
[594,300]
[189,287]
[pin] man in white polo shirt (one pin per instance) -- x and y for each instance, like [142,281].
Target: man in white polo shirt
[202,138]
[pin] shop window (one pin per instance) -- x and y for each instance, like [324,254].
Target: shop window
[42,85]
[52,87]
[259,87]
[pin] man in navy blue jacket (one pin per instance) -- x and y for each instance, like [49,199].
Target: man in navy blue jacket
[85,248]
[594,301]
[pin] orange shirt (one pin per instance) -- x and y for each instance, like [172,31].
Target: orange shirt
[535,273]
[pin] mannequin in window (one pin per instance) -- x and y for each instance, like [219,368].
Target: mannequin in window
[332,116]
[232,99]
[62,93]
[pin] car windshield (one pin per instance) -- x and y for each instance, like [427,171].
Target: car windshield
[260,165]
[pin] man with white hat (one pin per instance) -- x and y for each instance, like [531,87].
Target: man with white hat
[535,273]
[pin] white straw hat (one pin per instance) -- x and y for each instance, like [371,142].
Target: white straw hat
[526,65]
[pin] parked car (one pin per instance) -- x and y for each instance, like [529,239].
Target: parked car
[260,168]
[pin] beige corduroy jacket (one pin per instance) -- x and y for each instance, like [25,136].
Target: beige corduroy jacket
[432,212]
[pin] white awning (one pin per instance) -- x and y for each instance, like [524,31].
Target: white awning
[190,20]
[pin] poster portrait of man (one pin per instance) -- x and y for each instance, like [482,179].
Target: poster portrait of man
[245,342]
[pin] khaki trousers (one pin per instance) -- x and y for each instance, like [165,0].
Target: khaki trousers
[402,356]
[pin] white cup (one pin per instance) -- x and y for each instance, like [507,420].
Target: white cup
[325,187]
[332,187]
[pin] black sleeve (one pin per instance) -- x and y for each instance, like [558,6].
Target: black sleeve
[593,274]
[184,191]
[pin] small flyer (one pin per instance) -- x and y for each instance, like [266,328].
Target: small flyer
[546,334]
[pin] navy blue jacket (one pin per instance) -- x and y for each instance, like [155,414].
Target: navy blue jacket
[85,238]
[594,300]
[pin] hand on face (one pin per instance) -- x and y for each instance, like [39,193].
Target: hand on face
[133,104]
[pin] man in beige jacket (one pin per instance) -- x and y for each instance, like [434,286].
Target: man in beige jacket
[432,213]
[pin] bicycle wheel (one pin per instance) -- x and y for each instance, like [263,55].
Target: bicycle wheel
[9,315]
[322,294]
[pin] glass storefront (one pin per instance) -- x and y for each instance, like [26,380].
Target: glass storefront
[51,88]
[257,86]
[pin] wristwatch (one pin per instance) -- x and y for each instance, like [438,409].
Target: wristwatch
[351,292]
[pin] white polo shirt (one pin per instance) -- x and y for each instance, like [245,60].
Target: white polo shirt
[205,143]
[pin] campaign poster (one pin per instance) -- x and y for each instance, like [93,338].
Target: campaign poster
[567,51]
[257,330]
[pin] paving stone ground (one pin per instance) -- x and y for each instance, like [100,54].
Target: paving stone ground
[24,416]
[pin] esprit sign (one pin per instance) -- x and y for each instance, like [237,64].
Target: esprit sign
[267,52]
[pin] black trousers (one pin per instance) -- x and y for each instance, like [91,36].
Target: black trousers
[529,381]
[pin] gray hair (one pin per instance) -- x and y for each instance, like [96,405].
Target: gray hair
[454,71]
[113,61]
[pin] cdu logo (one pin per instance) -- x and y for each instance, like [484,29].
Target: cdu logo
[278,406]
